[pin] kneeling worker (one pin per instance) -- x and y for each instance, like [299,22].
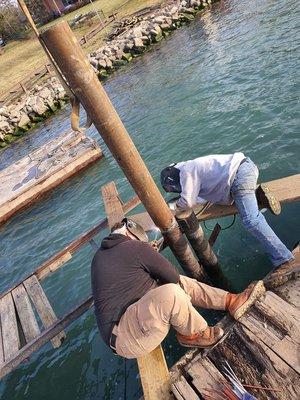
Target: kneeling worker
[138,295]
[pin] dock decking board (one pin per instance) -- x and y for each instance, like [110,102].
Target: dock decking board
[43,307]
[9,327]
[262,348]
[25,313]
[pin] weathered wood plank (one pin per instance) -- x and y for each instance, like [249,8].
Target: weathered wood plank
[183,391]
[43,307]
[112,204]
[155,375]
[285,189]
[25,312]
[10,334]
[44,337]
[56,264]
[256,364]
[274,336]
[290,292]
[205,375]
[281,314]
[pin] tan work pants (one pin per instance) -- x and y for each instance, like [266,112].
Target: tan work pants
[146,323]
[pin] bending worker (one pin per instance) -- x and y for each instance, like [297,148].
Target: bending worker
[224,179]
[138,295]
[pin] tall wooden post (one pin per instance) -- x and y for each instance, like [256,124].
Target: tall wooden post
[68,55]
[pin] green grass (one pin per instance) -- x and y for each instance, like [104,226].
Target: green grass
[20,58]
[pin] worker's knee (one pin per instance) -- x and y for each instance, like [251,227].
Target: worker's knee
[173,291]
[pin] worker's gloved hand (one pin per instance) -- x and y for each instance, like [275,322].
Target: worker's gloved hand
[172,205]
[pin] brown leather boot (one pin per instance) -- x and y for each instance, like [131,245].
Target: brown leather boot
[238,304]
[207,338]
[285,272]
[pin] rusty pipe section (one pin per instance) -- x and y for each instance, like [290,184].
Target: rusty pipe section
[189,224]
[68,55]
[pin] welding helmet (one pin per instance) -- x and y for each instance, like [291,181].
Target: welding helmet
[135,229]
[170,179]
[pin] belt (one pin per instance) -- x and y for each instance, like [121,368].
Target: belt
[112,343]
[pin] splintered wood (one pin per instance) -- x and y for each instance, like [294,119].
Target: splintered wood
[262,348]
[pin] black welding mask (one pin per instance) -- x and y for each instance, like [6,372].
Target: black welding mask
[170,179]
[135,229]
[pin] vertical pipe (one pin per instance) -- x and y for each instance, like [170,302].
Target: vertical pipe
[67,53]
[190,226]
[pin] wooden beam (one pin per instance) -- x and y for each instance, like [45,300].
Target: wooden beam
[286,190]
[43,307]
[10,334]
[112,204]
[44,337]
[153,368]
[25,313]
[155,375]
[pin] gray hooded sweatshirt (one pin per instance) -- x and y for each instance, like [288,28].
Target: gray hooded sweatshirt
[208,178]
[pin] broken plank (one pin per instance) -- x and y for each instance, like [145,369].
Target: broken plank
[10,334]
[281,314]
[205,376]
[256,364]
[183,391]
[25,313]
[43,307]
[272,336]
[155,375]
[113,206]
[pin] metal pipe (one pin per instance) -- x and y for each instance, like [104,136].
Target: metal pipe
[189,224]
[79,74]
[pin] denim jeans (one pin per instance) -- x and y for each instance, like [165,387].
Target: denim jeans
[243,192]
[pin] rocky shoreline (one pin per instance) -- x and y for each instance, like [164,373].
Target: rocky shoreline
[128,42]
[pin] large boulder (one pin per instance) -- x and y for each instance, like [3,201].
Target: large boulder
[45,93]
[37,105]
[24,121]
[5,127]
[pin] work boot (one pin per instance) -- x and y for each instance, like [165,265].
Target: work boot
[238,304]
[266,199]
[282,274]
[207,338]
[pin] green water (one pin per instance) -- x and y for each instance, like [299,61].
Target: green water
[227,82]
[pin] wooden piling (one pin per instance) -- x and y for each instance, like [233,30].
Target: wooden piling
[189,224]
[72,62]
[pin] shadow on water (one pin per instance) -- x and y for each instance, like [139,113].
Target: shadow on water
[225,83]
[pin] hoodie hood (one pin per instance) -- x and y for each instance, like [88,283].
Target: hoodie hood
[113,240]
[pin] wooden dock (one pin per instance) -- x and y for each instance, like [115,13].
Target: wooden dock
[24,182]
[262,348]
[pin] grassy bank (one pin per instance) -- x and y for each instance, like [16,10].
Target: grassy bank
[20,58]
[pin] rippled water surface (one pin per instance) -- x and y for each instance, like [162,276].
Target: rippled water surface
[227,82]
